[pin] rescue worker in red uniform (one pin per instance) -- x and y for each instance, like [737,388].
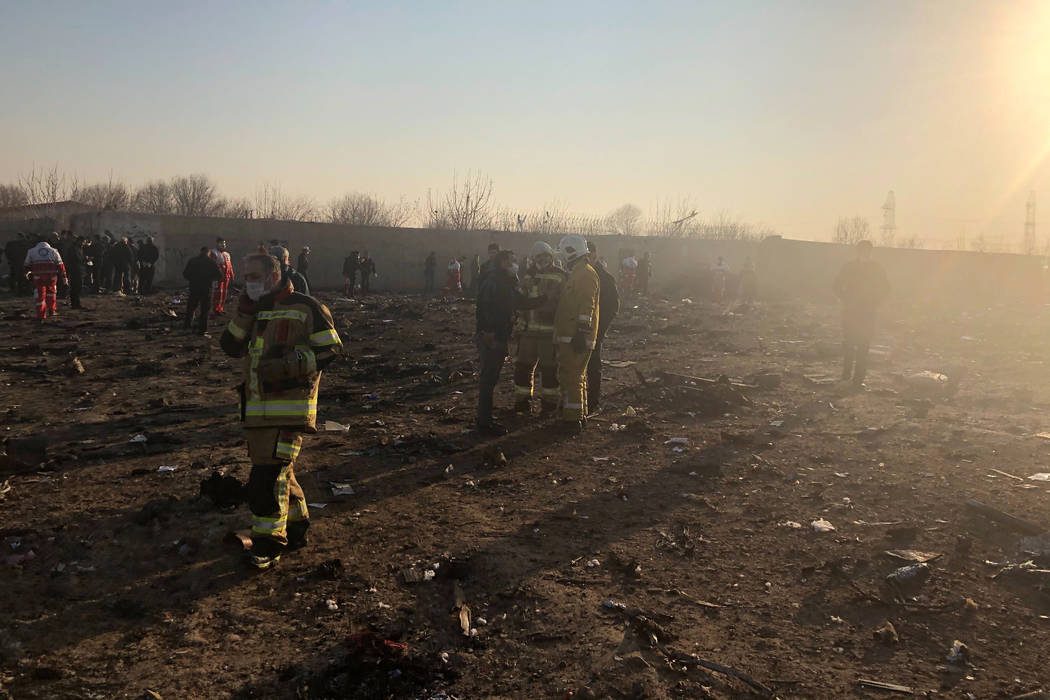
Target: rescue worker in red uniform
[575,331]
[43,265]
[221,287]
[536,337]
[286,339]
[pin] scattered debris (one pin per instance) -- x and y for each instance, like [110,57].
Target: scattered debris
[892,687]
[959,653]
[909,579]
[138,439]
[912,556]
[822,525]
[886,633]
[1041,476]
[331,426]
[223,490]
[1005,519]
[166,469]
[341,488]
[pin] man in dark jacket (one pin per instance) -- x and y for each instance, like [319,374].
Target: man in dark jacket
[350,266]
[148,257]
[123,258]
[429,270]
[289,273]
[15,251]
[105,262]
[72,252]
[862,287]
[608,308]
[368,271]
[201,272]
[478,273]
[498,299]
[304,263]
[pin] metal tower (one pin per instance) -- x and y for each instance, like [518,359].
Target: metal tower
[889,220]
[1029,224]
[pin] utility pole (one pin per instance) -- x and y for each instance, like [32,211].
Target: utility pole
[1029,224]
[889,220]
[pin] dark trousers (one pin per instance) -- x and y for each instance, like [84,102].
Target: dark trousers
[121,279]
[428,282]
[198,300]
[17,279]
[366,283]
[492,359]
[146,279]
[75,283]
[858,327]
[594,376]
[105,278]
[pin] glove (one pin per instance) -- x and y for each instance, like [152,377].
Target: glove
[579,343]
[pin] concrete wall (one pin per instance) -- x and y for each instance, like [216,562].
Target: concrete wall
[785,267]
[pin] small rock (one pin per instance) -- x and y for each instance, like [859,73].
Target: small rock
[887,633]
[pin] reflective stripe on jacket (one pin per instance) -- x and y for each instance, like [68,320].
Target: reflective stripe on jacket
[537,283]
[286,343]
[578,306]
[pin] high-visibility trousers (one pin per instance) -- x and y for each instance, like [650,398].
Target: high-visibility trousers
[218,294]
[572,377]
[275,498]
[536,349]
[45,296]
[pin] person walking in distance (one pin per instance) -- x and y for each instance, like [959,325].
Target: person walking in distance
[201,272]
[429,272]
[719,274]
[350,267]
[536,338]
[628,272]
[645,272]
[368,271]
[453,288]
[44,266]
[72,252]
[222,286]
[862,287]
[286,339]
[608,308]
[149,254]
[576,331]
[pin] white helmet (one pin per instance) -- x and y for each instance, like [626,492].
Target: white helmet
[541,248]
[573,247]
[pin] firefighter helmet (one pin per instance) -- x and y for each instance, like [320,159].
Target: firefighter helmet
[573,247]
[541,248]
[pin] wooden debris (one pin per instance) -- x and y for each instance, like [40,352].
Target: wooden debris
[893,687]
[1005,519]
[464,619]
[1010,476]
[912,556]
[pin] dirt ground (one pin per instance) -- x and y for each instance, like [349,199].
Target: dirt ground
[612,565]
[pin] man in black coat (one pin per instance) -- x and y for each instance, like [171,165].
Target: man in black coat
[498,299]
[201,272]
[148,256]
[289,273]
[608,307]
[72,252]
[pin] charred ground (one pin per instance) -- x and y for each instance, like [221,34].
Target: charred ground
[605,566]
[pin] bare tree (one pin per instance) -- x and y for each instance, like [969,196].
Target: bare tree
[911,242]
[194,195]
[235,208]
[467,206]
[154,198]
[359,209]
[49,186]
[12,196]
[624,220]
[106,195]
[674,219]
[272,203]
[852,230]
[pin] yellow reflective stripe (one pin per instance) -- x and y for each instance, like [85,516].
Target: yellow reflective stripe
[311,358]
[298,511]
[280,314]
[280,408]
[523,390]
[236,331]
[325,337]
[267,526]
[540,327]
[552,392]
[563,339]
[287,449]
[586,318]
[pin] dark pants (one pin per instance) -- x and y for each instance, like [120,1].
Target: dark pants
[858,327]
[75,283]
[198,300]
[428,282]
[366,283]
[146,279]
[594,376]
[121,279]
[17,280]
[492,359]
[105,280]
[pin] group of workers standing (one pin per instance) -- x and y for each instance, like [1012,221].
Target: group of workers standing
[564,315]
[358,271]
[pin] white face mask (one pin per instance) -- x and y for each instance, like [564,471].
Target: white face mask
[254,290]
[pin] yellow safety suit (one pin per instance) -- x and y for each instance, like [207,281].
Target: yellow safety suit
[536,337]
[286,340]
[577,314]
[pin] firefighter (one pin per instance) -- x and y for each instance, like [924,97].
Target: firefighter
[222,286]
[536,338]
[575,330]
[286,339]
[862,287]
[44,265]
[608,308]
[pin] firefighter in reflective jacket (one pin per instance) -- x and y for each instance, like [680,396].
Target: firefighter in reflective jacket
[287,339]
[575,330]
[536,338]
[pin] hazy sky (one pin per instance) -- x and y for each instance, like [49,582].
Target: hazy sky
[786,113]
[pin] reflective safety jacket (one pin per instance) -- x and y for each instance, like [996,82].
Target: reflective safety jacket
[225,263]
[537,283]
[45,263]
[287,339]
[578,306]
